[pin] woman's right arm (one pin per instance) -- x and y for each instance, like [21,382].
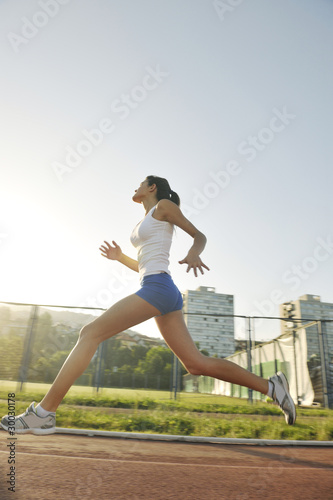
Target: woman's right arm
[115,253]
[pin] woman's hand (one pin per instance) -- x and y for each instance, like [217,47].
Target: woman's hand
[111,252]
[194,262]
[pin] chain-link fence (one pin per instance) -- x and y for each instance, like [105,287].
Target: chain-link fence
[304,354]
[36,340]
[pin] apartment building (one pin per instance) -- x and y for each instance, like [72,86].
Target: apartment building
[202,309]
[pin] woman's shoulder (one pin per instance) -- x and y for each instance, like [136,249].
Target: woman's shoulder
[166,205]
[164,208]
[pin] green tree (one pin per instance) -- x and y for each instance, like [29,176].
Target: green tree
[139,352]
[11,351]
[46,369]
[155,361]
[124,356]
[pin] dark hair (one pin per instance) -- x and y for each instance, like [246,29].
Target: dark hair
[163,189]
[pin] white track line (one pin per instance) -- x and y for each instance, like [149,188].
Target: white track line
[178,464]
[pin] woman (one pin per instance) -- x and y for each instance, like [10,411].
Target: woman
[158,297]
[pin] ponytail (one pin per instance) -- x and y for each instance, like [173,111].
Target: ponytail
[174,197]
[163,189]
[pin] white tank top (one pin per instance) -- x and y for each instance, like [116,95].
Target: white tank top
[152,239]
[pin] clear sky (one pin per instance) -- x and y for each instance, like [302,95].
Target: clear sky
[233,105]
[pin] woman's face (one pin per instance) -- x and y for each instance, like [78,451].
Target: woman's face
[140,192]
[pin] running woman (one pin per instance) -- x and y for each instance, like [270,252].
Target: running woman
[158,297]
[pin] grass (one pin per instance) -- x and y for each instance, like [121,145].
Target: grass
[41,389]
[191,414]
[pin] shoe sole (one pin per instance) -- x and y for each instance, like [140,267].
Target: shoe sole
[37,432]
[283,379]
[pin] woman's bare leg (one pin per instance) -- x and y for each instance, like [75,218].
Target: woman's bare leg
[174,330]
[126,313]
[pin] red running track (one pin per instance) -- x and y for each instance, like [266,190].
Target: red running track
[66,467]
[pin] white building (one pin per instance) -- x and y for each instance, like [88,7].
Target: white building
[214,333]
[309,307]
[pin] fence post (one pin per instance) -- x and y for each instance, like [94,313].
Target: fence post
[171,375]
[27,347]
[295,364]
[249,360]
[323,364]
[275,359]
[260,369]
[99,369]
[175,376]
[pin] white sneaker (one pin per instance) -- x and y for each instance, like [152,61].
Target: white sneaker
[282,397]
[29,421]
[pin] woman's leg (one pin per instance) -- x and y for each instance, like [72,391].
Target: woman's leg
[126,313]
[174,330]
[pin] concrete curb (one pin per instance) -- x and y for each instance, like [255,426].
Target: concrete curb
[190,439]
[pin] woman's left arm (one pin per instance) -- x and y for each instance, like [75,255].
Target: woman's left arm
[170,212]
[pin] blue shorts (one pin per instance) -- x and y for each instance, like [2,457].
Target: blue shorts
[161,292]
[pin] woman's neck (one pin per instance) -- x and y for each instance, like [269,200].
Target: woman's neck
[149,204]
